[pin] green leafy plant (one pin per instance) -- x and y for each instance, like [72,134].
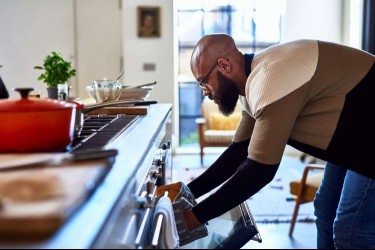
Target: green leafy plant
[56,70]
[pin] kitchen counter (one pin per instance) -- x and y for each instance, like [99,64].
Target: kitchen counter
[137,146]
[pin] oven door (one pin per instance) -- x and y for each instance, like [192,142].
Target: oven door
[231,230]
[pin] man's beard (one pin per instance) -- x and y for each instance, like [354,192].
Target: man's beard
[226,96]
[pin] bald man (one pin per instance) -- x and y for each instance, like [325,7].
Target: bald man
[313,95]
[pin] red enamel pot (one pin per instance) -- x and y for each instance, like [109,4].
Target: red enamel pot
[30,125]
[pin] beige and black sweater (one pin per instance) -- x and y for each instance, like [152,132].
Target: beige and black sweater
[315,96]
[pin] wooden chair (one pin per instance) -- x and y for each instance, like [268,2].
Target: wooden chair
[215,129]
[305,189]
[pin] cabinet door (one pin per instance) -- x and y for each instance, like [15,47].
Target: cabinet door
[30,30]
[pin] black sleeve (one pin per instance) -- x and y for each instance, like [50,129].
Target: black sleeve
[3,91]
[250,177]
[221,170]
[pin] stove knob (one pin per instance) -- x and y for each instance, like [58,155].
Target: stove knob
[157,163]
[156,173]
[167,145]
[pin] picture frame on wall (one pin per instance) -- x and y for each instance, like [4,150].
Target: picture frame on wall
[148,20]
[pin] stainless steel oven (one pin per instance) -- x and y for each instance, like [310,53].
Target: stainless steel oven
[129,225]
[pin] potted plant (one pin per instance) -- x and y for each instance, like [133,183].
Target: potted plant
[56,71]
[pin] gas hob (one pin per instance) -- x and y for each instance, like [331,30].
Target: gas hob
[100,130]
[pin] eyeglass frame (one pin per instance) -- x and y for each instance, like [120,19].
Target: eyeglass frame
[202,83]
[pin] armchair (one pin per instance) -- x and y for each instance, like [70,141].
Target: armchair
[215,129]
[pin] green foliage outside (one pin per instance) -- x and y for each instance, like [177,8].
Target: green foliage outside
[189,139]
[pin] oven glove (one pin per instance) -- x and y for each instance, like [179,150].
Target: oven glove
[176,191]
[186,235]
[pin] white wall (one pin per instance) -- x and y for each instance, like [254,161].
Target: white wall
[29,30]
[159,51]
[313,19]
[98,41]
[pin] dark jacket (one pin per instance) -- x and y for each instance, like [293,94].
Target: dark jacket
[3,90]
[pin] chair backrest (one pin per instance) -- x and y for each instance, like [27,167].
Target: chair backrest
[215,120]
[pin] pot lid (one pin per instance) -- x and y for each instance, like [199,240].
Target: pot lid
[79,104]
[32,104]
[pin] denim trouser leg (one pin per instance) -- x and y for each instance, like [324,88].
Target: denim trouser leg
[326,202]
[354,225]
[345,210]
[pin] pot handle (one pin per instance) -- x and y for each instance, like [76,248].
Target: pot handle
[24,92]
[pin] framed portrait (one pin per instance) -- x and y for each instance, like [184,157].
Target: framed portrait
[148,22]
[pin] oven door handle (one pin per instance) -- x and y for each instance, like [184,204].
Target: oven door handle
[157,232]
[144,220]
[142,228]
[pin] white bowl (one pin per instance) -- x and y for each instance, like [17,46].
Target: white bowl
[106,90]
[136,93]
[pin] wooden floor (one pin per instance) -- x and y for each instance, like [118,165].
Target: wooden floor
[274,236]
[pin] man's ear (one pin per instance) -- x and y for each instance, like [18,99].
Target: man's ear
[224,65]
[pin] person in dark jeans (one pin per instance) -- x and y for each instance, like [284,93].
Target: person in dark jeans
[3,90]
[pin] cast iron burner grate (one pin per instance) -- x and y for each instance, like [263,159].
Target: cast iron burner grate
[100,130]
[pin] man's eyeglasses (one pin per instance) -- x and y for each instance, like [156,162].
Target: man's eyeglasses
[202,83]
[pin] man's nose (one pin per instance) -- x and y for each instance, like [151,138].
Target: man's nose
[206,92]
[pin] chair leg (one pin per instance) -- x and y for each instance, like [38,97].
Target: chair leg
[300,194]
[201,154]
[294,218]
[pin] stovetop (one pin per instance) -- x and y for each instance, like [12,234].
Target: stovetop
[100,130]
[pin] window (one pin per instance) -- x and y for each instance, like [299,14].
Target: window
[254,25]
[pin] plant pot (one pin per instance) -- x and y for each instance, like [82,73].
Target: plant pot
[52,92]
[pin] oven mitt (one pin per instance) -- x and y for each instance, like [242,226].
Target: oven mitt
[186,236]
[176,191]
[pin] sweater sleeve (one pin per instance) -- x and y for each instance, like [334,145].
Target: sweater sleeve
[249,178]
[227,164]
